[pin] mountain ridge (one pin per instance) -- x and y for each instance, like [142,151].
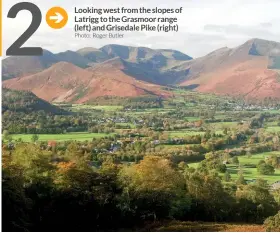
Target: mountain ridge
[65,82]
[250,70]
[83,58]
[244,70]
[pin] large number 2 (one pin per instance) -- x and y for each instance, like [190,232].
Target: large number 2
[15,48]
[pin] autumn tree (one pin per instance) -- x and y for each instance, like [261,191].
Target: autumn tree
[210,198]
[34,138]
[260,202]
[75,154]
[265,169]
[15,204]
[241,180]
[153,189]
[35,163]
[272,224]
[235,160]
[227,176]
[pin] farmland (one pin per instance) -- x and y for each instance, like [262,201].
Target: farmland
[178,125]
[213,156]
[252,173]
[245,165]
[79,136]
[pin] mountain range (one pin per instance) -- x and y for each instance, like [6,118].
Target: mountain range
[250,70]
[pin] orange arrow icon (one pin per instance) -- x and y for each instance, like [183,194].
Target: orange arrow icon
[56,17]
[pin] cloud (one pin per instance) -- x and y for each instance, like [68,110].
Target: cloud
[266,25]
[239,30]
[205,25]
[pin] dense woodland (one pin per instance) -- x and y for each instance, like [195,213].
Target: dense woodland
[23,101]
[42,192]
[140,173]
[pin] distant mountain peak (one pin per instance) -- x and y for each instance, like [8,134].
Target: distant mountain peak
[259,40]
[113,63]
[261,47]
[62,64]
[248,69]
[87,49]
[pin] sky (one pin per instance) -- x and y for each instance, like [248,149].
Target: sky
[204,25]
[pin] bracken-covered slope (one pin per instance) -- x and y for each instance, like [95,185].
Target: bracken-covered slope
[65,82]
[250,70]
[59,82]
[110,79]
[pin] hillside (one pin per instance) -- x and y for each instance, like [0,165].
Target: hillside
[146,58]
[250,70]
[245,70]
[111,79]
[58,83]
[26,65]
[26,102]
[136,54]
[65,82]
[74,58]
[93,55]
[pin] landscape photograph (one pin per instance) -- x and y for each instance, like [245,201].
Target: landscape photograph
[131,138]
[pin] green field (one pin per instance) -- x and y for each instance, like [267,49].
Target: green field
[273,129]
[149,111]
[183,133]
[174,146]
[193,119]
[108,108]
[92,107]
[250,173]
[61,137]
[256,157]
[273,111]
[223,125]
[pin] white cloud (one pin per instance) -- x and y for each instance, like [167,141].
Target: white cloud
[205,25]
